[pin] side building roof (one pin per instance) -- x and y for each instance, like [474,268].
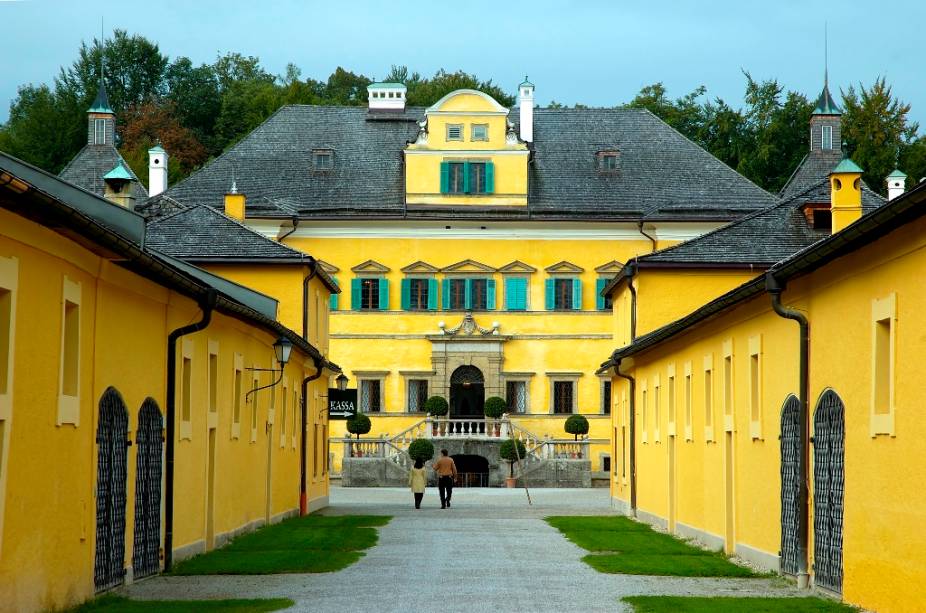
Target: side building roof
[662,175]
[92,163]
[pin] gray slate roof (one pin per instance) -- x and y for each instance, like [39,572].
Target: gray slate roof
[817,166]
[760,239]
[203,234]
[87,168]
[662,174]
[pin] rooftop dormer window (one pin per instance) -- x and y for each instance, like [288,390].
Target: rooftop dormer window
[827,137]
[322,160]
[99,131]
[608,161]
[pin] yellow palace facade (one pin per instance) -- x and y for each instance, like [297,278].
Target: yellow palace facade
[471,241]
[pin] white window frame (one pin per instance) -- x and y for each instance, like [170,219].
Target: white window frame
[458,126]
[755,387]
[689,402]
[186,395]
[671,399]
[826,131]
[255,406]
[708,385]
[212,382]
[564,378]
[657,401]
[729,386]
[9,281]
[524,380]
[644,409]
[69,405]
[285,400]
[380,376]
[883,309]
[237,396]
[99,131]
[472,132]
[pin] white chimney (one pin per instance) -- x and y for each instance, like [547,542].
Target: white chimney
[386,96]
[157,170]
[895,184]
[526,108]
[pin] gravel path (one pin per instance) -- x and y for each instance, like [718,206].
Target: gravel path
[490,552]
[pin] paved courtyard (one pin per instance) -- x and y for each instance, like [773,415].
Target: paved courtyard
[489,552]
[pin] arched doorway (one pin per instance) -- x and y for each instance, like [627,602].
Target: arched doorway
[112,447]
[149,446]
[790,484]
[473,470]
[467,392]
[828,484]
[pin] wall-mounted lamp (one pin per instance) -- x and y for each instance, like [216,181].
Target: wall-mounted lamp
[342,382]
[282,348]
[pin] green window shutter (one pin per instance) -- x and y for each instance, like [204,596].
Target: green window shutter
[516,294]
[599,299]
[550,287]
[334,297]
[466,179]
[445,294]
[355,294]
[577,294]
[490,178]
[444,177]
[406,294]
[383,294]
[490,294]
[432,294]
[468,296]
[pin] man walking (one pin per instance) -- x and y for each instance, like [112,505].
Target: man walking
[446,474]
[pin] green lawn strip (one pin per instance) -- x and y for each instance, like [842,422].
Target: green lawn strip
[690,604]
[610,523]
[633,542]
[667,565]
[111,603]
[309,544]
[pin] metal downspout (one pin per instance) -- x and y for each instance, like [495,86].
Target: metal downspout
[633,437]
[303,453]
[207,305]
[633,299]
[774,288]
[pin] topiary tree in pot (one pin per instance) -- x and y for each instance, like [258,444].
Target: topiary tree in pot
[494,408]
[576,425]
[421,449]
[358,424]
[436,406]
[508,451]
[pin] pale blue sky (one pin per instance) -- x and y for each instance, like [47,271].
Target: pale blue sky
[597,52]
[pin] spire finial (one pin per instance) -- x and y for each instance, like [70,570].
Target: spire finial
[826,55]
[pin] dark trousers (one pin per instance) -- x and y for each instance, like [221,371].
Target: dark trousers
[418,498]
[445,488]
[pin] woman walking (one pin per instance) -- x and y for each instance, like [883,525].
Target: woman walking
[417,481]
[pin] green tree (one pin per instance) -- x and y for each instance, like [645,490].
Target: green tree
[913,161]
[45,128]
[876,129]
[150,123]
[194,93]
[428,91]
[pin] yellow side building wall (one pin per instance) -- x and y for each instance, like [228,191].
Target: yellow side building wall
[48,531]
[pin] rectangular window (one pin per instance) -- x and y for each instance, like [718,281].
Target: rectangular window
[457,294]
[728,396]
[688,402]
[607,162]
[708,398]
[322,160]
[477,178]
[418,294]
[644,413]
[236,414]
[454,131]
[563,396]
[213,382]
[254,399]
[827,138]
[417,395]
[606,463]
[456,179]
[656,406]
[69,373]
[9,283]
[478,299]
[283,407]
[670,399]
[755,387]
[605,397]
[6,335]
[883,317]
[369,294]
[99,131]
[516,294]
[516,396]
[186,387]
[296,423]
[371,396]
[563,293]
[480,131]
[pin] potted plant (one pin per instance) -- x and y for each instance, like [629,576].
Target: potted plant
[576,425]
[494,408]
[358,424]
[436,407]
[508,451]
[421,449]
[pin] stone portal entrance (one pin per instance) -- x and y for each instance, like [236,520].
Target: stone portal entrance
[467,392]
[472,469]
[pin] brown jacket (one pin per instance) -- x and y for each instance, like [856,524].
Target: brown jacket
[444,467]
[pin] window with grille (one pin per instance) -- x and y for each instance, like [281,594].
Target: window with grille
[516,396]
[458,294]
[477,177]
[371,396]
[454,131]
[417,395]
[563,396]
[606,464]
[478,295]
[369,293]
[456,183]
[606,397]
[480,131]
[99,131]
[418,294]
[563,294]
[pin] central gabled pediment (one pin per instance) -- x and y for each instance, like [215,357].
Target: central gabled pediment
[564,267]
[468,266]
[517,267]
[370,266]
[613,267]
[420,267]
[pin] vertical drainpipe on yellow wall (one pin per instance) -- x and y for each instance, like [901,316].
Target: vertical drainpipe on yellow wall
[633,431]
[845,194]
[774,287]
[319,364]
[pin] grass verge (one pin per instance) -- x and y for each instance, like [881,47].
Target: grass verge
[111,603]
[623,546]
[690,604]
[310,544]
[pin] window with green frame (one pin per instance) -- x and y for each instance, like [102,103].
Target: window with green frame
[419,294]
[369,294]
[516,294]
[459,177]
[602,303]
[475,294]
[334,297]
[563,294]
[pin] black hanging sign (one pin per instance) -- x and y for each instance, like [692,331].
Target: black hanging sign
[341,404]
